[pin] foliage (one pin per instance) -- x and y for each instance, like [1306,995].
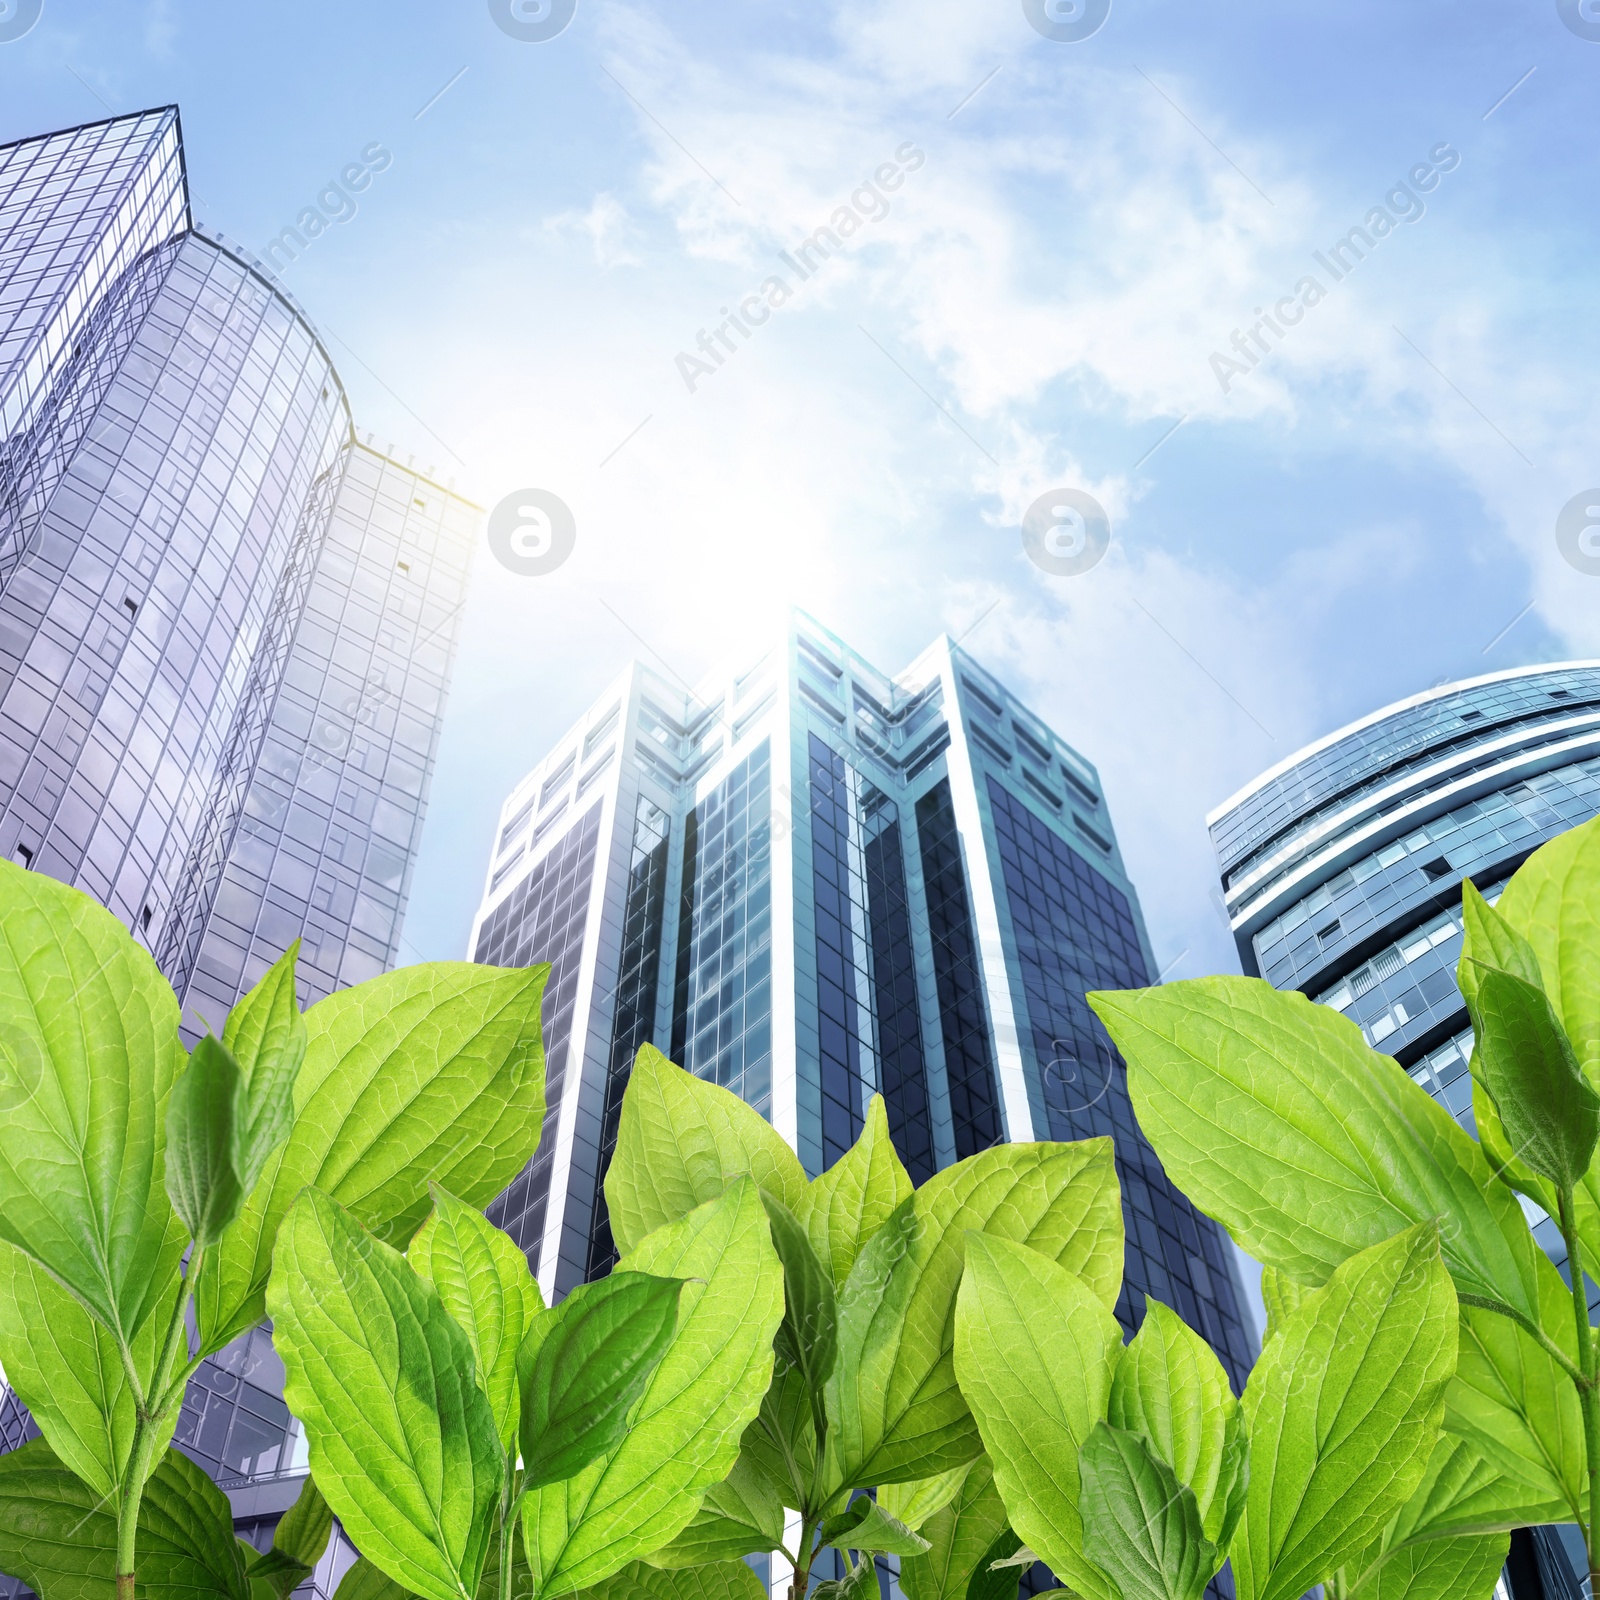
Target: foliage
[1316,1152]
[141,1186]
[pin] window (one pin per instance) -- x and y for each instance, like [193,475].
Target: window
[1437,868]
[557,780]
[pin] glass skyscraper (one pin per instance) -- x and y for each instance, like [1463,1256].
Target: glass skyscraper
[809,882]
[1342,868]
[226,630]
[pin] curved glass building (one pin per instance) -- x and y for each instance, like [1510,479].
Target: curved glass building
[1342,869]
[226,632]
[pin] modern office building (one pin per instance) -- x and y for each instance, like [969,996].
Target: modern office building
[1342,866]
[226,629]
[809,882]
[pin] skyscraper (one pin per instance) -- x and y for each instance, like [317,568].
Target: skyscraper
[1342,866]
[226,629]
[808,882]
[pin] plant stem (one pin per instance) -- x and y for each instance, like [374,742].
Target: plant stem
[508,1533]
[149,1413]
[802,1568]
[1588,1394]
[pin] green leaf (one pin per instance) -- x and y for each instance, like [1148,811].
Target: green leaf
[722,1580]
[66,1369]
[60,1537]
[1553,901]
[267,1037]
[88,1052]
[865,1525]
[1035,1351]
[860,1582]
[740,1516]
[686,1431]
[1343,1410]
[895,1411]
[808,1338]
[1140,1524]
[1488,940]
[782,1442]
[584,1367]
[1170,1387]
[1439,1569]
[1550,1114]
[298,1543]
[1503,1159]
[403,1442]
[913,1503]
[679,1144]
[1516,1407]
[202,1181]
[484,1282]
[433,1073]
[1275,1118]
[843,1208]
[999,1573]
[364,1581]
[961,1536]
[1462,1493]
[1282,1296]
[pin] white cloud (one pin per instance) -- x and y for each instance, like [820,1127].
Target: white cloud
[607,227]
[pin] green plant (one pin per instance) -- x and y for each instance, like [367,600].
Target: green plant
[863,1392]
[141,1187]
[1313,1150]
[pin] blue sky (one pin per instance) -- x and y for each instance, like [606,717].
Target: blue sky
[1368,511]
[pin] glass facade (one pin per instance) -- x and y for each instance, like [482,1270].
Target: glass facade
[722,1005]
[869,1033]
[226,632]
[968,1042]
[1342,870]
[543,920]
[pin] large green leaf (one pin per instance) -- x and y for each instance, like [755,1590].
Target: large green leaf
[203,1182]
[1522,1055]
[1553,901]
[808,1337]
[88,1052]
[1035,1350]
[865,1525]
[782,1441]
[60,1537]
[740,1516]
[1465,1568]
[1273,1116]
[959,1535]
[914,1502]
[1141,1526]
[66,1369]
[1515,1406]
[431,1073]
[843,1208]
[585,1365]
[1170,1387]
[721,1580]
[686,1430]
[268,1037]
[1343,1410]
[403,1442]
[895,1410]
[484,1282]
[680,1142]
[1461,1492]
